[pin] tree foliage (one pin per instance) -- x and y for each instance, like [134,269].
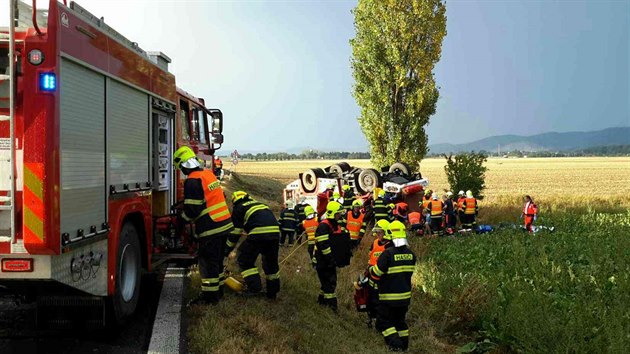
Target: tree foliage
[397,44]
[466,172]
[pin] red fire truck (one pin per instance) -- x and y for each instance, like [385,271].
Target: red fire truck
[88,125]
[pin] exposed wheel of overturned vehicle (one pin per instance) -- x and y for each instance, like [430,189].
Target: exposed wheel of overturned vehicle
[400,168]
[309,179]
[368,180]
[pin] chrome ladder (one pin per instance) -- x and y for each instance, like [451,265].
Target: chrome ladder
[7,202]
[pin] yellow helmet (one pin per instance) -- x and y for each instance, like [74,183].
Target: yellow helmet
[428,192]
[397,229]
[469,193]
[381,193]
[357,202]
[345,187]
[238,195]
[383,225]
[333,208]
[185,157]
[336,195]
[308,210]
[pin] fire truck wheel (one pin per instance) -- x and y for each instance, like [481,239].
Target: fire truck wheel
[369,179]
[309,179]
[345,166]
[400,168]
[127,289]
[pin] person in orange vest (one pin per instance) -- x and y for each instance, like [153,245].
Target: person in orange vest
[530,212]
[204,204]
[355,223]
[400,212]
[460,207]
[218,166]
[382,241]
[415,222]
[436,209]
[309,226]
[471,209]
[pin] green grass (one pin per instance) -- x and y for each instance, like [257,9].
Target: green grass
[565,292]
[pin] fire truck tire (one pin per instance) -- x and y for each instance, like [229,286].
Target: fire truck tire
[369,179]
[127,289]
[309,179]
[400,168]
[345,166]
[336,171]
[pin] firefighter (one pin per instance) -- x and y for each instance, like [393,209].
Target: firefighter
[400,212]
[415,222]
[449,212]
[380,208]
[471,209]
[391,208]
[260,225]
[299,209]
[530,212]
[460,208]
[436,208]
[204,204]
[355,223]
[218,166]
[288,224]
[392,273]
[309,225]
[326,265]
[383,238]
[348,197]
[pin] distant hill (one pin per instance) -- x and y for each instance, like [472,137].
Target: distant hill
[541,142]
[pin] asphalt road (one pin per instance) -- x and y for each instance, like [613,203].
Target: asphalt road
[19,335]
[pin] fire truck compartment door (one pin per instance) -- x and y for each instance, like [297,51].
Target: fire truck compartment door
[127,135]
[82,145]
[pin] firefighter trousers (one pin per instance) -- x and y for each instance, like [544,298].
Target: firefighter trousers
[328,279]
[284,234]
[210,258]
[436,225]
[390,321]
[248,253]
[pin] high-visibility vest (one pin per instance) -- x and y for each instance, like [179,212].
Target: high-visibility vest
[530,209]
[425,203]
[460,203]
[310,226]
[471,204]
[414,218]
[213,196]
[436,208]
[376,251]
[354,225]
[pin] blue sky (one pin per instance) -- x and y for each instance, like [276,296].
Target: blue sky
[280,70]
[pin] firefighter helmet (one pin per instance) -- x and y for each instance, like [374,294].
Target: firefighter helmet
[383,225]
[333,208]
[469,193]
[185,157]
[397,229]
[345,187]
[238,195]
[357,202]
[308,210]
[381,193]
[460,193]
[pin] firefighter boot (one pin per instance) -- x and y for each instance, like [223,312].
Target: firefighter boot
[405,343]
[273,287]
[320,299]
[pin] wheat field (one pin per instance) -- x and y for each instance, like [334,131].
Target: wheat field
[555,180]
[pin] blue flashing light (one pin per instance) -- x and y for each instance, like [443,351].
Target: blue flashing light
[47,82]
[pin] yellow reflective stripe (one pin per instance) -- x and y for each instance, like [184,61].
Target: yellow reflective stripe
[264,230]
[209,280]
[185,217]
[217,206]
[321,238]
[218,230]
[237,231]
[249,272]
[404,333]
[393,297]
[194,201]
[230,243]
[311,242]
[401,269]
[388,332]
[210,288]
[377,271]
[223,213]
[326,251]
[273,276]
[329,296]
[252,210]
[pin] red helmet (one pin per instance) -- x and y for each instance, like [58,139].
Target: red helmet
[401,209]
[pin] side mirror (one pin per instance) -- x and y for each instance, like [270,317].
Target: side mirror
[217,121]
[217,138]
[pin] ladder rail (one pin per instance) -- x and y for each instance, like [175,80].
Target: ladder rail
[12,4]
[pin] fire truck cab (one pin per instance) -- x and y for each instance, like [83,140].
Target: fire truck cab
[88,125]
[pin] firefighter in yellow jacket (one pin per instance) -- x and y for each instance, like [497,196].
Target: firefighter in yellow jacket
[204,204]
[392,273]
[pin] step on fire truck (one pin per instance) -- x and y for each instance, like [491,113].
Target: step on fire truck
[88,125]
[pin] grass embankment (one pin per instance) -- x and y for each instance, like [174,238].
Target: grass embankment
[508,291]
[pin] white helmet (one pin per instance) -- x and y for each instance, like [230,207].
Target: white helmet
[449,194]
[469,194]
[460,193]
[434,196]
